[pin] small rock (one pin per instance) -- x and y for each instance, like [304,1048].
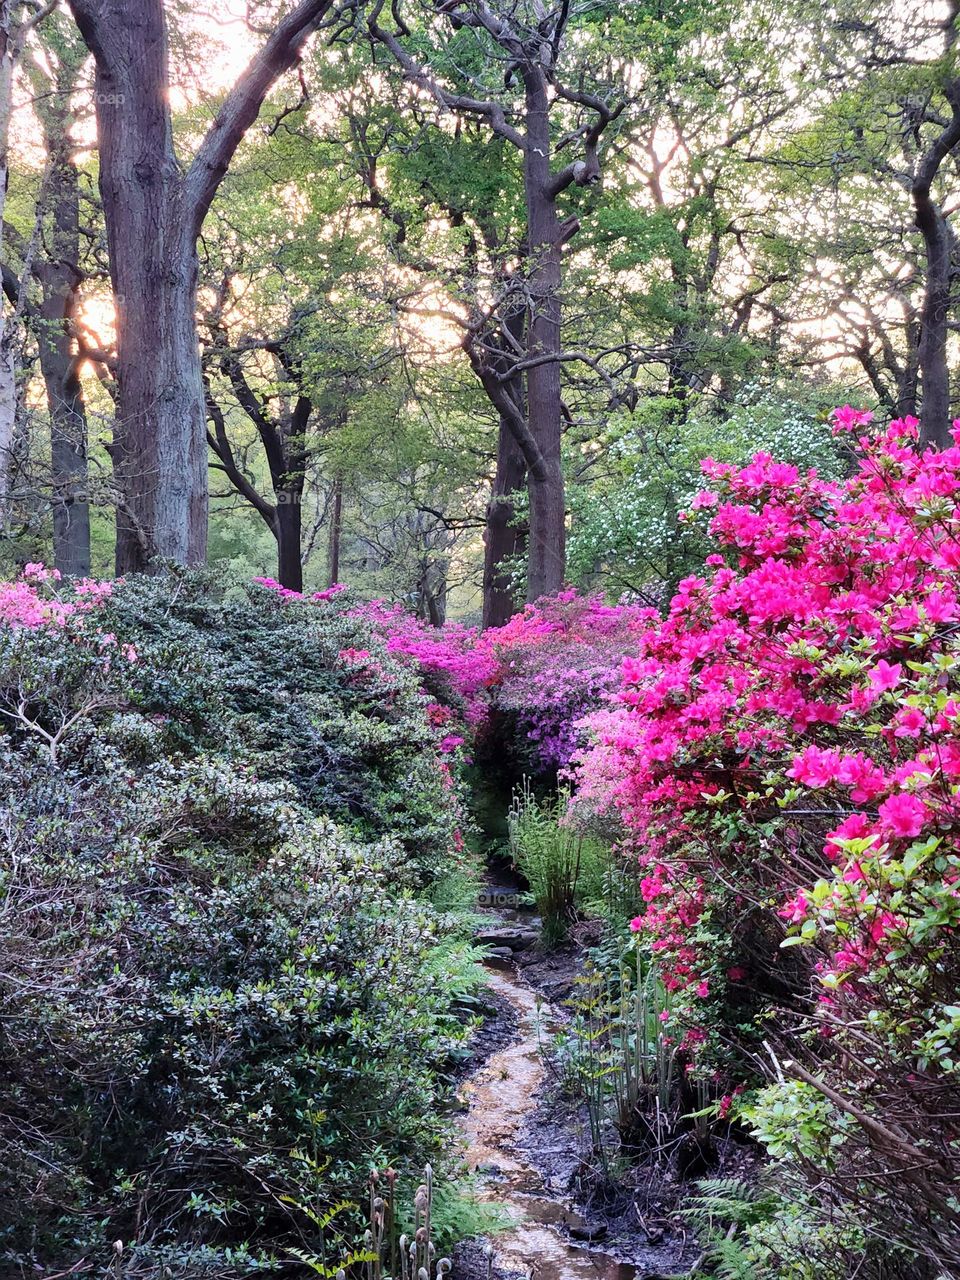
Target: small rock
[515,939]
[490,1169]
[589,1232]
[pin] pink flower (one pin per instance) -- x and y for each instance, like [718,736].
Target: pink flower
[753,687]
[882,925]
[884,676]
[816,767]
[705,498]
[864,778]
[40,573]
[650,888]
[795,910]
[354,655]
[848,419]
[903,815]
[855,827]
[910,723]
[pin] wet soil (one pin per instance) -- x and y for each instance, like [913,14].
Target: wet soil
[531,1149]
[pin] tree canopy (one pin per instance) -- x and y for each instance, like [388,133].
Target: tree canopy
[446,299]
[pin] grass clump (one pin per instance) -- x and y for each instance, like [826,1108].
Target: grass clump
[565,868]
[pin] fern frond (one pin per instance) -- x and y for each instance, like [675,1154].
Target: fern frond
[729,1261]
[732,1200]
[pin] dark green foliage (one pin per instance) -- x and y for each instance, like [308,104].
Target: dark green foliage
[212,998]
[247,673]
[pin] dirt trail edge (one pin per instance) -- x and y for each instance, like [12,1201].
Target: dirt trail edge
[499,1129]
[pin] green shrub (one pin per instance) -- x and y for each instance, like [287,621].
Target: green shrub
[240,671]
[210,1001]
[213,1007]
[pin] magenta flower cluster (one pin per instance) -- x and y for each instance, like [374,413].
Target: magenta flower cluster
[792,727]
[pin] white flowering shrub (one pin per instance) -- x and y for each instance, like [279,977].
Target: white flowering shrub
[628,532]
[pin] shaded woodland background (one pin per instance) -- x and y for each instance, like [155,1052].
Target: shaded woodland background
[448,300]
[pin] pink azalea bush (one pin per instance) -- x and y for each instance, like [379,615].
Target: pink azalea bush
[784,756]
[555,661]
[544,670]
[37,599]
[451,662]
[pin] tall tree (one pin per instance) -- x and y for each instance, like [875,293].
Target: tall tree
[869,181]
[297,347]
[281,420]
[537,112]
[473,184]
[939,238]
[504,539]
[154,209]
[18,18]
[53,315]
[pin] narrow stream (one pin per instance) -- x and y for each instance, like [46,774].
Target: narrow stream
[500,1096]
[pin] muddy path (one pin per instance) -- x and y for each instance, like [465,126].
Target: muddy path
[504,1144]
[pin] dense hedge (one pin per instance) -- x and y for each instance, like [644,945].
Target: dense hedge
[212,997]
[275,682]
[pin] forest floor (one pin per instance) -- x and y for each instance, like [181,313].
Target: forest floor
[529,1141]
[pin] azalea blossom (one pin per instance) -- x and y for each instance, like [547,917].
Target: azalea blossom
[903,815]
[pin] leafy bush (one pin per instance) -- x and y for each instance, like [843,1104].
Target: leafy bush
[212,993]
[785,755]
[299,690]
[554,662]
[452,665]
[629,532]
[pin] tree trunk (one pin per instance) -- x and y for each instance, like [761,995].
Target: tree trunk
[160,463]
[59,279]
[68,447]
[502,539]
[547,538]
[8,377]
[336,533]
[288,521]
[934,373]
[432,593]
[159,449]
[909,384]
